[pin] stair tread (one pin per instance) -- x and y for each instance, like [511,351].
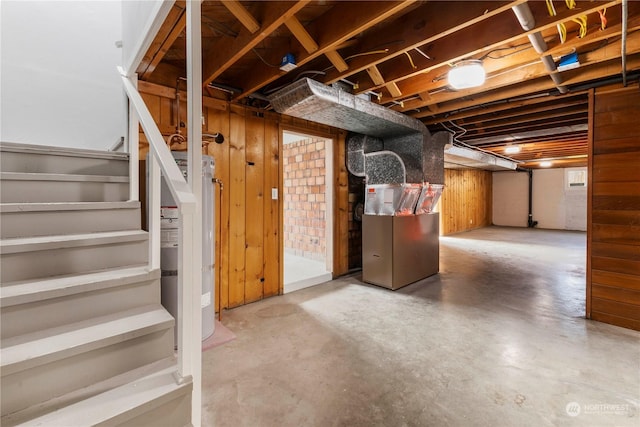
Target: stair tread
[119,400]
[27,244]
[26,291]
[60,403]
[66,206]
[35,176]
[50,150]
[37,348]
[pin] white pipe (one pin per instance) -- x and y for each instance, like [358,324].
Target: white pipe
[524,15]
[549,63]
[538,43]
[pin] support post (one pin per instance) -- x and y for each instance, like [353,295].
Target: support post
[132,147]
[194,172]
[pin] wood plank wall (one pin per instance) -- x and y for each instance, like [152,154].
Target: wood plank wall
[465,203]
[613,222]
[249,250]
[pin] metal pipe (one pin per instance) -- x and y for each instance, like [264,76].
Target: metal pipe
[625,18]
[530,222]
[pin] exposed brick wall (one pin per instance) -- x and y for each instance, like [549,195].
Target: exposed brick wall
[304,198]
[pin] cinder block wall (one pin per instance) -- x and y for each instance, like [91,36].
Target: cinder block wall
[304,198]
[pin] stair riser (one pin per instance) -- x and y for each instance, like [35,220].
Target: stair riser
[45,263]
[32,317]
[31,191]
[49,223]
[48,163]
[32,386]
[176,412]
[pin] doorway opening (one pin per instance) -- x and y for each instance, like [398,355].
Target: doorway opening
[307,210]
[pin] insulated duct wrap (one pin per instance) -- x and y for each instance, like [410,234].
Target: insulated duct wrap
[314,101]
[357,146]
[385,146]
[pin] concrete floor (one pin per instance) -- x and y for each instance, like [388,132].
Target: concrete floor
[498,338]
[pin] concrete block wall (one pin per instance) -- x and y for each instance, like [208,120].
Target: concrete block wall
[304,198]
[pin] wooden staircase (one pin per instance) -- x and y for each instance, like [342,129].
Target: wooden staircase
[84,338]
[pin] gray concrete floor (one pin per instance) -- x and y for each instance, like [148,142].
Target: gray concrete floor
[498,338]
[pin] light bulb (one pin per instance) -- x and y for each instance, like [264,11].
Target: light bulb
[466,74]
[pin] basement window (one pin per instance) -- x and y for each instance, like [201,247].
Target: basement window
[576,178]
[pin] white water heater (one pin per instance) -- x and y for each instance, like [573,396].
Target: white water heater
[169,227]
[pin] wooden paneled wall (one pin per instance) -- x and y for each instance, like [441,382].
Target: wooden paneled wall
[466,200]
[613,221]
[249,252]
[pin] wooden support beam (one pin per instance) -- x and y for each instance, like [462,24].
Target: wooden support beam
[337,61]
[394,90]
[375,75]
[242,14]
[171,29]
[299,32]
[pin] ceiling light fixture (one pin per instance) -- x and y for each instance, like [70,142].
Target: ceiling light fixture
[545,164]
[466,74]
[512,149]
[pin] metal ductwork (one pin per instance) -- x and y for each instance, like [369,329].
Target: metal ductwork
[317,102]
[386,146]
[460,157]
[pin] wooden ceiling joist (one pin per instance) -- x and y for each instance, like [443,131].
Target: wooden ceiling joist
[375,75]
[336,60]
[242,14]
[516,108]
[394,90]
[301,34]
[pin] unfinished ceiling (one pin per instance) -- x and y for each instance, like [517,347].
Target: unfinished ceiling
[399,53]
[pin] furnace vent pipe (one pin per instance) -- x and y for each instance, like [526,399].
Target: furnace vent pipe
[528,22]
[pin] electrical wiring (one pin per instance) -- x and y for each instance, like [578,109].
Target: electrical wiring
[603,19]
[582,21]
[411,60]
[373,52]
[562,29]
[264,60]
[525,46]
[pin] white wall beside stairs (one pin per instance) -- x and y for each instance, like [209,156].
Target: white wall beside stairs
[59,82]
